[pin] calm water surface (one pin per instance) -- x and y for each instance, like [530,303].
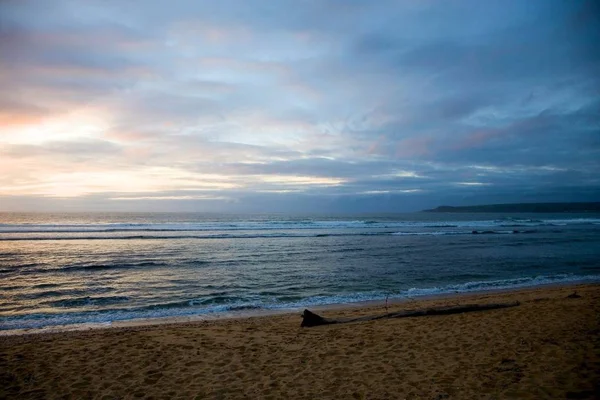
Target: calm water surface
[58,269]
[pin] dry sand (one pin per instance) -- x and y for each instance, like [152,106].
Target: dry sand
[548,347]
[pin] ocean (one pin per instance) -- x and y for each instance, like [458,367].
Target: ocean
[57,269]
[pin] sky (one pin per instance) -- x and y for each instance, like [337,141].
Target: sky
[304,105]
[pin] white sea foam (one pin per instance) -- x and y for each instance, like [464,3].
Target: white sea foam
[286,225]
[38,321]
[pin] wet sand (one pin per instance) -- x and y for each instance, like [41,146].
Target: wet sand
[548,347]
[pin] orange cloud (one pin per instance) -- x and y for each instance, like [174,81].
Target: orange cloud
[8,120]
[18,114]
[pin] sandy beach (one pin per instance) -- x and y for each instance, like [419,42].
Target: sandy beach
[548,347]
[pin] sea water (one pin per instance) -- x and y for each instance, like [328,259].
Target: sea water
[61,269]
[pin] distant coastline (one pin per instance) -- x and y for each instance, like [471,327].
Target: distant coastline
[522,207]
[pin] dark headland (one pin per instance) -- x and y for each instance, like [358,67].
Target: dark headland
[522,207]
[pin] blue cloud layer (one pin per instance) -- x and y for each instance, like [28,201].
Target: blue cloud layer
[341,105]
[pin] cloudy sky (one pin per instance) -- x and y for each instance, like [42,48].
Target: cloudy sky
[303,105]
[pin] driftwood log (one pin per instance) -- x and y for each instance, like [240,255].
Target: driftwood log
[310,319]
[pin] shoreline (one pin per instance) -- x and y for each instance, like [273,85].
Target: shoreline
[547,347]
[260,313]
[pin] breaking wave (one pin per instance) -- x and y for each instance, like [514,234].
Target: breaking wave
[226,305]
[286,225]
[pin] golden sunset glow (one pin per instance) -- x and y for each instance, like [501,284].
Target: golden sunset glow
[76,125]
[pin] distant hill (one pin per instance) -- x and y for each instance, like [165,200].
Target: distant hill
[522,207]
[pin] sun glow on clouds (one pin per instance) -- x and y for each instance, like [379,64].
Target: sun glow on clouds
[78,124]
[401,174]
[473,183]
[392,191]
[301,180]
[133,198]
[159,180]
[150,180]
[406,174]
